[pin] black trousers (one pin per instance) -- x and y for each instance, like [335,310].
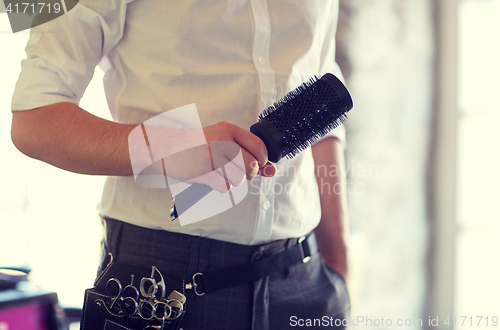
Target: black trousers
[309,295]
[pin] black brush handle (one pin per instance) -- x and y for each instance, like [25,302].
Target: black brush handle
[272,138]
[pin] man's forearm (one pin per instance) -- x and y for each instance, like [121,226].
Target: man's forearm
[332,230]
[70,138]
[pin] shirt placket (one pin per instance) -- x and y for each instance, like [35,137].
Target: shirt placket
[267,84]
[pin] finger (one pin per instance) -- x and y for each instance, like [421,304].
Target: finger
[234,174]
[268,170]
[251,164]
[252,144]
[232,153]
[237,162]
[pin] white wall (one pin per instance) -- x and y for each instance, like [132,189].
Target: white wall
[386,51]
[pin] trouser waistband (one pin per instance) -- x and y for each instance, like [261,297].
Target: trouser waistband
[183,256]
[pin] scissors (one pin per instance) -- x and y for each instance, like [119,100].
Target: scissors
[127,300]
[154,306]
[159,310]
[149,287]
[128,296]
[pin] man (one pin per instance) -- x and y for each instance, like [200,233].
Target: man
[232,59]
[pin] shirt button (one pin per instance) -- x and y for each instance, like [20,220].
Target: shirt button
[266,205]
[262,61]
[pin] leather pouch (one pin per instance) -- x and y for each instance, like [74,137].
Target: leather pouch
[130,298]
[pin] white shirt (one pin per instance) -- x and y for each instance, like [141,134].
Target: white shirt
[232,58]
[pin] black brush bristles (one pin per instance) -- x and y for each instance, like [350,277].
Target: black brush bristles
[303,116]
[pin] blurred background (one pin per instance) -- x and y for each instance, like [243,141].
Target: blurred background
[423,173]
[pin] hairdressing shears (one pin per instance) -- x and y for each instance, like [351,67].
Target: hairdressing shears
[150,287]
[127,300]
[128,296]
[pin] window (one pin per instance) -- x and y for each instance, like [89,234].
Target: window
[478,215]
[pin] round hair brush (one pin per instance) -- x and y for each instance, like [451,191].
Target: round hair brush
[287,127]
[303,116]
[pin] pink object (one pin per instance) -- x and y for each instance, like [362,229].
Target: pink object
[32,316]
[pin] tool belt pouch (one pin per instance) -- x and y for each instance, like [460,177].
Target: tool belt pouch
[117,300]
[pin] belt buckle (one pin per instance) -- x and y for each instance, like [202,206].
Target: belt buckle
[304,249]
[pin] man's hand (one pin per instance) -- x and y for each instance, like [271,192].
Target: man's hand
[253,150]
[71,138]
[221,156]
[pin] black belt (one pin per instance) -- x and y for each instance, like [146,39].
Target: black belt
[231,276]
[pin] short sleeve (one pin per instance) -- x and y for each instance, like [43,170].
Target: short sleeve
[62,54]
[339,133]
